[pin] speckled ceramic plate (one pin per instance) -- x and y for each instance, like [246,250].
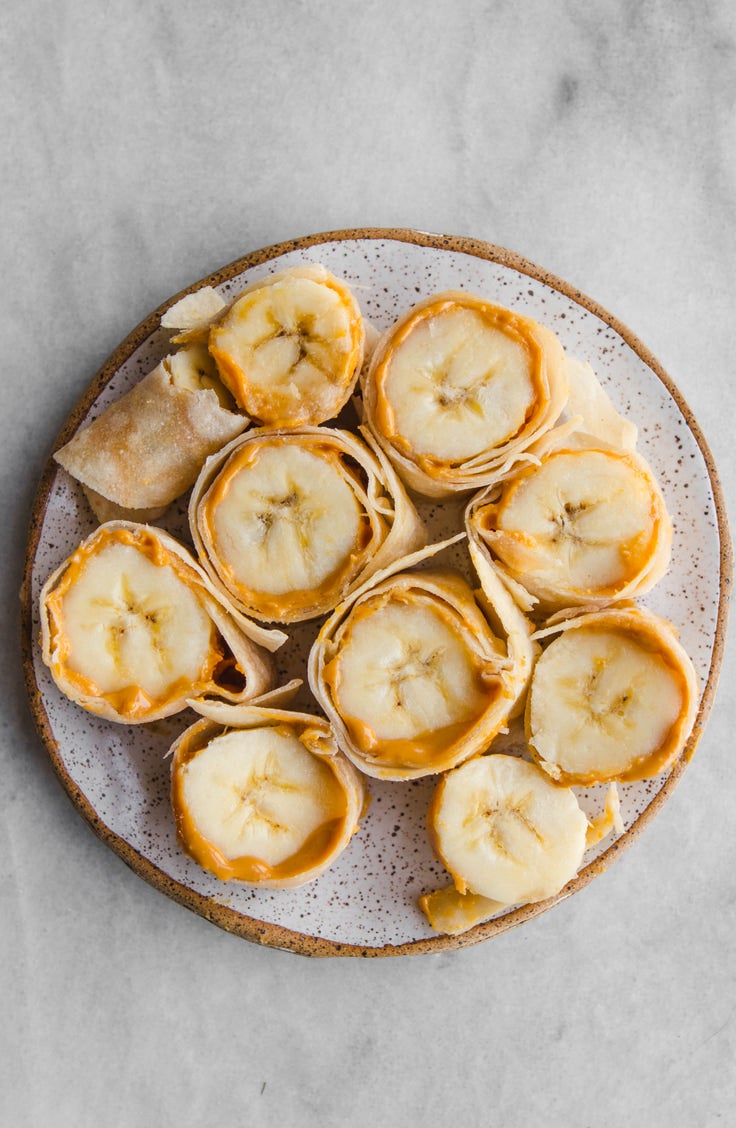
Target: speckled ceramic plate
[367,903]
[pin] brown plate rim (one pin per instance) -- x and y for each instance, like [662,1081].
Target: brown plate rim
[229,919]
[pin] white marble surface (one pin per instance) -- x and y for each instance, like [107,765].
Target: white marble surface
[146,144]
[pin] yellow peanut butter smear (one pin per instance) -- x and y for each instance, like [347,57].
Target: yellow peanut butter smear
[266,799]
[459,387]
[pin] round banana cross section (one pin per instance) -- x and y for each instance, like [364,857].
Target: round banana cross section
[505,831]
[613,697]
[266,798]
[130,630]
[289,522]
[290,347]
[459,387]
[412,676]
[587,524]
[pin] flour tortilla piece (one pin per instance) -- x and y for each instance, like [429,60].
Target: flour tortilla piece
[147,448]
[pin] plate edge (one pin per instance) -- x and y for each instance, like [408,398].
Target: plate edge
[266,933]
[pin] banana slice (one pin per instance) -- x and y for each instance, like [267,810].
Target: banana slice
[131,628]
[287,523]
[505,831]
[263,795]
[497,824]
[459,388]
[290,347]
[147,448]
[613,696]
[587,524]
[413,676]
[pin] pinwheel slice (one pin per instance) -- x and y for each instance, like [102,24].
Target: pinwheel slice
[413,675]
[459,388]
[288,522]
[508,836]
[290,347]
[586,524]
[613,696]
[262,795]
[132,627]
[147,448]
